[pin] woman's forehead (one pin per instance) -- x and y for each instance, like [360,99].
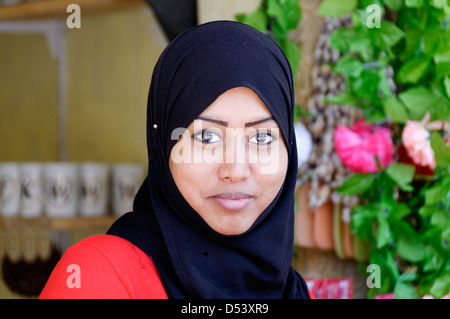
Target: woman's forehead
[237,105]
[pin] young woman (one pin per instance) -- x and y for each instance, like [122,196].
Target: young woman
[214,217]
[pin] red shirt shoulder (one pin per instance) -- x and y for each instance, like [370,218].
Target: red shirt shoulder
[104,266]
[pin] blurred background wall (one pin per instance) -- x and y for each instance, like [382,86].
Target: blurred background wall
[109,64]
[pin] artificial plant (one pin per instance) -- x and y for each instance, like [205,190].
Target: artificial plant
[276,18]
[397,71]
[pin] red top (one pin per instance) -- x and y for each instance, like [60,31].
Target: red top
[108,267]
[104,266]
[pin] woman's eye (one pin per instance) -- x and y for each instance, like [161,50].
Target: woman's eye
[262,138]
[207,136]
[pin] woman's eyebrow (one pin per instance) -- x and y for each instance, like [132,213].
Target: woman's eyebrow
[223,123]
[259,121]
[213,121]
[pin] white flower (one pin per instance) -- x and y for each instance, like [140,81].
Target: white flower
[304,142]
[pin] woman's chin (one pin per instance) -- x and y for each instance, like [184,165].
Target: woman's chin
[231,225]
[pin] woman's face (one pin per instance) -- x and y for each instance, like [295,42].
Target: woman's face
[231,161]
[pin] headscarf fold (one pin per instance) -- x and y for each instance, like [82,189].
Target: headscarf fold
[193,259]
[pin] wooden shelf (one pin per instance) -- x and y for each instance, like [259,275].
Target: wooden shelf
[81,223]
[61,223]
[46,9]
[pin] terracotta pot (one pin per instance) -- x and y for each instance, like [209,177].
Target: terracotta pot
[323,226]
[303,228]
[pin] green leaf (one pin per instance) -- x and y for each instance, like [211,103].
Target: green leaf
[384,234]
[445,236]
[399,211]
[413,43]
[419,100]
[403,227]
[338,38]
[434,261]
[275,10]
[356,184]
[394,4]
[292,52]
[437,193]
[336,8]
[366,86]
[414,3]
[360,43]
[440,3]
[395,109]
[402,175]
[442,68]
[414,252]
[383,85]
[413,70]
[405,290]
[441,151]
[431,40]
[442,54]
[408,277]
[385,259]
[373,113]
[427,210]
[410,19]
[292,12]
[447,85]
[438,218]
[362,220]
[349,66]
[256,19]
[387,35]
[442,107]
[343,98]
[441,286]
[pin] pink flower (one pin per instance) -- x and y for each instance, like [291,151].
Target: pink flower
[416,140]
[358,145]
[386,296]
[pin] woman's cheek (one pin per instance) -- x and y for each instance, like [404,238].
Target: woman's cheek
[270,160]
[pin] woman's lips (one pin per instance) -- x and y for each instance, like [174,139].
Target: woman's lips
[233,201]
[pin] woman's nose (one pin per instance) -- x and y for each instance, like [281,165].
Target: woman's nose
[234,172]
[235,166]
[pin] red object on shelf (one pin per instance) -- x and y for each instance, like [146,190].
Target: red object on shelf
[328,288]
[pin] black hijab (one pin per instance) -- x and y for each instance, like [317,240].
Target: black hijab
[195,261]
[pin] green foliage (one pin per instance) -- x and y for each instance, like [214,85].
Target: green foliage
[409,237]
[275,18]
[334,8]
[416,47]
[441,151]
[405,219]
